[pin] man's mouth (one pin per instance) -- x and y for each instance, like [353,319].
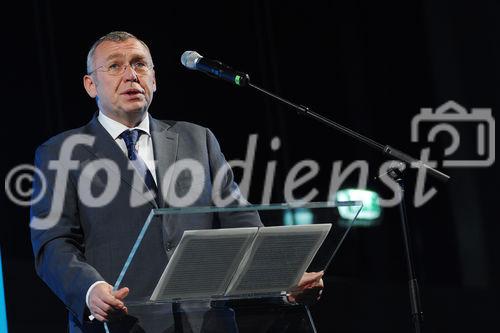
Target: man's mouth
[133,92]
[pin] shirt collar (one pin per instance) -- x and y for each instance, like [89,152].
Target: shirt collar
[115,128]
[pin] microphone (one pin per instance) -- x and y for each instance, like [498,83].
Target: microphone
[214,68]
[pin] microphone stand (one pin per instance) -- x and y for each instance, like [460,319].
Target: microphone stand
[397,174]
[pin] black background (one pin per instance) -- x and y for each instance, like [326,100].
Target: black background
[368,65]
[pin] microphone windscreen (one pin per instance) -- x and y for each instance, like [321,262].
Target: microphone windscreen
[190,59]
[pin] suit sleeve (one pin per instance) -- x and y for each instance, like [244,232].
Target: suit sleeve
[226,188]
[58,245]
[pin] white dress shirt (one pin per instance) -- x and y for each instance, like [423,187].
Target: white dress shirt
[144,149]
[144,145]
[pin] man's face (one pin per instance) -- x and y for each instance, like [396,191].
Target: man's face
[126,96]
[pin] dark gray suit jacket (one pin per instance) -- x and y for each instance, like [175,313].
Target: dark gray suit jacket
[89,244]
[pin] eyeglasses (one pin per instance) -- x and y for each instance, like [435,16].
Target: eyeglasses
[117,69]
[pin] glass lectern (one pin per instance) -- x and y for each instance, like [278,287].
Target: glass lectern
[227,269]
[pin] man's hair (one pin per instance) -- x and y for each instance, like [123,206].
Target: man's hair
[114,36]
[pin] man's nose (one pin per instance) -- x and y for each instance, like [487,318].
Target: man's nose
[130,74]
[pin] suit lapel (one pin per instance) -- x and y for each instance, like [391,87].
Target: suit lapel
[165,145]
[105,147]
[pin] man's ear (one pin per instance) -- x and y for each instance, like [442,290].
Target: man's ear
[154,81]
[89,84]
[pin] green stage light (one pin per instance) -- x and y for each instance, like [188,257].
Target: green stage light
[371,207]
[298,216]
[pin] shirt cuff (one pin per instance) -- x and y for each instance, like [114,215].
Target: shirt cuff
[89,290]
[287,301]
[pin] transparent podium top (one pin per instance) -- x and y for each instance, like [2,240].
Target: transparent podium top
[236,252]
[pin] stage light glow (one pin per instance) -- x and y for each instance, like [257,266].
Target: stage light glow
[371,207]
[298,216]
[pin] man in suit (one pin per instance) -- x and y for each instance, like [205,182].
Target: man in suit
[80,244]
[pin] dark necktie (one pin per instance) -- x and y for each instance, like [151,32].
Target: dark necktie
[131,137]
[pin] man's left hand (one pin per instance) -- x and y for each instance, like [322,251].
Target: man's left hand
[309,288]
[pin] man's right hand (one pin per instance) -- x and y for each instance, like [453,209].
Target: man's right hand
[103,301]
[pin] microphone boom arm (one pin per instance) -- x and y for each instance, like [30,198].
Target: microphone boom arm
[385,149]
